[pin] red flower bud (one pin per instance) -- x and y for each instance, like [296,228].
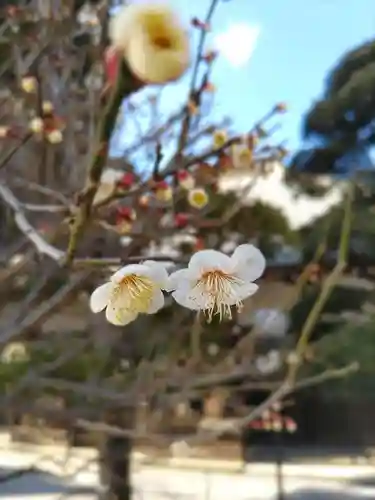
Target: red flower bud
[199,244]
[111,64]
[127,180]
[181,220]
[197,23]
[125,213]
[281,107]
[161,185]
[185,179]
[210,56]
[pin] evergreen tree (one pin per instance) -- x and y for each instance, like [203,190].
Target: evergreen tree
[339,128]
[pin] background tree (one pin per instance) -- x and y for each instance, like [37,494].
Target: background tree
[338,132]
[338,129]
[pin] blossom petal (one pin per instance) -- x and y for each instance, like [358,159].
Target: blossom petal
[249,262]
[157,302]
[180,279]
[118,315]
[100,297]
[243,291]
[138,269]
[205,260]
[191,301]
[111,176]
[157,272]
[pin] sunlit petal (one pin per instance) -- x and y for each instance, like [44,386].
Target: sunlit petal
[179,279]
[205,260]
[249,262]
[152,40]
[138,269]
[157,272]
[119,315]
[190,300]
[100,297]
[157,302]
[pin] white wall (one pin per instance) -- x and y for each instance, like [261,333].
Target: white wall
[273,191]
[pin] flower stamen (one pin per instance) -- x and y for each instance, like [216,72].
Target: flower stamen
[162,42]
[133,293]
[219,289]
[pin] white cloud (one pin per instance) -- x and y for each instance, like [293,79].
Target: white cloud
[237,43]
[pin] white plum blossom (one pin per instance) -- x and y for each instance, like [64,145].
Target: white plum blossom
[88,15]
[134,289]
[111,176]
[214,282]
[108,180]
[152,39]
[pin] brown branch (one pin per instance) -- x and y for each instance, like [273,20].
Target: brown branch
[31,377]
[45,310]
[283,390]
[27,229]
[195,94]
[126,84]
[92,391]
[158,160]
[33,186]
[8,156]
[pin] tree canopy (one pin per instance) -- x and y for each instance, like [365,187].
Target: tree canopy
[341,124]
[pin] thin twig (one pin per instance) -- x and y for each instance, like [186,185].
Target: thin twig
[4,161]
[45,310]
[327,288]
[27,229]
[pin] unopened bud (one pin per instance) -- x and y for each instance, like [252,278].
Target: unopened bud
[54,136]
[29,84]
[36,125]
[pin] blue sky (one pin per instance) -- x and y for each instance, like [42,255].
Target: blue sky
[298,42]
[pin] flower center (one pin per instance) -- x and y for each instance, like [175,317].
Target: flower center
[198,199]
[162,42]
[219,288]
[133,293]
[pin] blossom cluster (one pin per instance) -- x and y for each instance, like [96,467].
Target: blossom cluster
[212,283]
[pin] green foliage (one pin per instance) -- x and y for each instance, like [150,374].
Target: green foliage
[353,61]
[349,343]
[12,372]
[264,219]
[342,299]
[349,103]
[343,121]
[362,237]
[89,362]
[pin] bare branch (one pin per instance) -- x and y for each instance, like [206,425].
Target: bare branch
[45,309]
[27,229]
